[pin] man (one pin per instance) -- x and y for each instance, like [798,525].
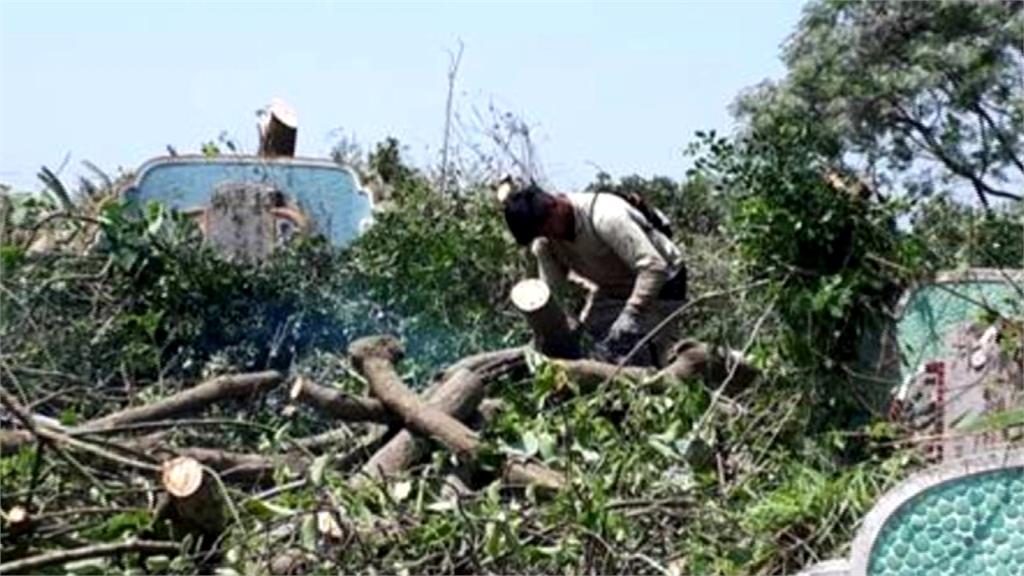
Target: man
[634,274]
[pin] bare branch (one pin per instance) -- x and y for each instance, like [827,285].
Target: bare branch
[453,70]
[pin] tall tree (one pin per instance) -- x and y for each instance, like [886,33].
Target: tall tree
[913,93]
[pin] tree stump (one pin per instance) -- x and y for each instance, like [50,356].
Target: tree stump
[196,501]
[553,332]
[278,130]
[18,520]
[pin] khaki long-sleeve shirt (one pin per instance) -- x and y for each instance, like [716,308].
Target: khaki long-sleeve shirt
[615,250]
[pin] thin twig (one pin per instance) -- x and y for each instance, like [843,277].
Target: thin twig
[453,70]
[33,563]
[732,370]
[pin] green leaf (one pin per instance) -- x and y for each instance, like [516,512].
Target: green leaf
[68,417]
[266,510]
[117,526]
[158,564]
[530,443]
[492,539]
[661,447]
[308,532]
[401,490]
[10,257]
[317,468]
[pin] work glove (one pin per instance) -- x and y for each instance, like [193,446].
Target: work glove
[575,326]
[622,337]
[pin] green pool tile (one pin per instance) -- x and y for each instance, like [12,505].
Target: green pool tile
[973,525]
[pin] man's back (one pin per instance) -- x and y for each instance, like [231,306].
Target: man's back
[612,244]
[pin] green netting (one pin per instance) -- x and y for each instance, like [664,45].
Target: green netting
[971,525]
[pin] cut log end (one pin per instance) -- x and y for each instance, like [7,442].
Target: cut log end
[530,473]
[530,295]
[296,391]
[198,505]
[290,562]
[17,515]
[278,129]
[553,332]
[284,112]
[375,347]
[182,477]
[328,526]
[18,520]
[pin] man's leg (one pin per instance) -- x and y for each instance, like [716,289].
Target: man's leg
[599,314]
[669,335]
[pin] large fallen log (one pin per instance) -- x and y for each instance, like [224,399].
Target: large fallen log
[694,360]
[459,479]
[191,400]
[715,365]
[691,359]
[338,404]
[59,440]
[375,357]
[493,364]
[241,467]
[186,402]
[457,396]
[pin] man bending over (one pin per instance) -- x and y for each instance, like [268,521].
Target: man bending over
[634,274]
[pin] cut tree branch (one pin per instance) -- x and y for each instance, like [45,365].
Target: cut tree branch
[458,396]
[34,563]
[338,404]
[375,357]
[191,400]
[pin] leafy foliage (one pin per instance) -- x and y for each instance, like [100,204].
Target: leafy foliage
[821,251]
[950,235]
[919,96]
[444,262]
[106,305]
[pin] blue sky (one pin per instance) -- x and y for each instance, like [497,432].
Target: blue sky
[622,86]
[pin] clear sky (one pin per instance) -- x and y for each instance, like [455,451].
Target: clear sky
[619,85]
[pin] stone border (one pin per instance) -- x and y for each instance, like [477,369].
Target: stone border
[891,502]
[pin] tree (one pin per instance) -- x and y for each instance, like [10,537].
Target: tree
[908,92]
[946,234]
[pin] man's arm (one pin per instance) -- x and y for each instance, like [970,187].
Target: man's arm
[630,242]
[551,270]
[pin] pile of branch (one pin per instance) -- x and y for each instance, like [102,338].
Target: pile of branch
[403,428]
[442,412]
